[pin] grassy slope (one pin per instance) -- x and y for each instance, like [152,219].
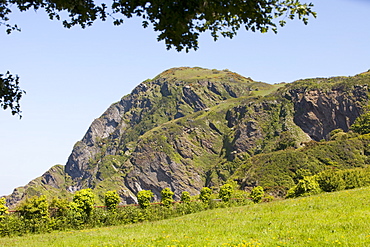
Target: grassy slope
[333,219]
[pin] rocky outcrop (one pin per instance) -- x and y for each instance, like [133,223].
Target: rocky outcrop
[318,112]
[155,170]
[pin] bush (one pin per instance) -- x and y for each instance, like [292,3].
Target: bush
[34,215]
[362,124]
[59,207]
[305,187]
[268,198]
[185,197]
[167,197]
[3,208]
[205,194]
[144,197]
[84,201]
[355,178]
[34,208]
[330,181]
[257,194]
[226,191]
[111,199]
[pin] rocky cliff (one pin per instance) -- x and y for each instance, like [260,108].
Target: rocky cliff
[192,127]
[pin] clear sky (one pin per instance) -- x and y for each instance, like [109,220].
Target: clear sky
[72,75]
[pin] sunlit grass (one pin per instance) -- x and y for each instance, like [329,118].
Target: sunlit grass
[332,219]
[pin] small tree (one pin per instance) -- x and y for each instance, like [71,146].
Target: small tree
[3,208]
[144,197]
[226,191]
[205,194]
[167,197]
[185,197]
[257,194]
[111,199]
[84,201]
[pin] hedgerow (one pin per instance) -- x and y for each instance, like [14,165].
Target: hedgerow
[37,215]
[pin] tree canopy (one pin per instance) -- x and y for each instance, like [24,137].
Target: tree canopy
[10,93]
[179,23]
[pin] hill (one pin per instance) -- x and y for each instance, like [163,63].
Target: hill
[193,127]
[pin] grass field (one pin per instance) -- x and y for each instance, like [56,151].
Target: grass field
[331,219]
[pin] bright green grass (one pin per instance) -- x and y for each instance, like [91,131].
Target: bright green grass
[267,91]
[332,219]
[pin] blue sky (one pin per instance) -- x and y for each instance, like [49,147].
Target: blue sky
[72,75]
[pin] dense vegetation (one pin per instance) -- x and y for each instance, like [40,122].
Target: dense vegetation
[37,215]
[40,215]
[330,219]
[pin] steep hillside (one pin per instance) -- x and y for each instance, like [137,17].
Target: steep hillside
[192,127]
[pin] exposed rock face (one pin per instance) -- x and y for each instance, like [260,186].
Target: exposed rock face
[110,123]
[318,113]
[190,128]
[145,100]
[155,170]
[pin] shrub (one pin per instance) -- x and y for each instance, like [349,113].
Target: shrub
[58,207]
[330,181]
[3,208]
[84,201]
[355,178]
[337,134]
[205,194]
[257,194]
[144,197]
[111,199]
[362,124]
[185,197]
[34,215]
[226,191]
[268,198]
[306,186]
[34,208]
[167,197]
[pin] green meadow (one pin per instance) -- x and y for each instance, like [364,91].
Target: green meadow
[329,219]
